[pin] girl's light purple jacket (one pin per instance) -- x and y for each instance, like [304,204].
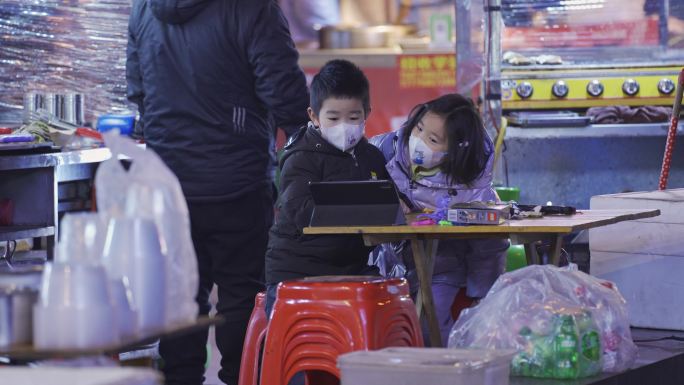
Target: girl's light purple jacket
[428,192]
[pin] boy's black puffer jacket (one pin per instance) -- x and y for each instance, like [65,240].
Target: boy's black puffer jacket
[309,158]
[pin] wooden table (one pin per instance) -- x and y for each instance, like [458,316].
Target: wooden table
[30,353]
[524,231]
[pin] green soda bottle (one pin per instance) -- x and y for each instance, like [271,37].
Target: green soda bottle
[521,362]
[545,356]
[520,365]
[590,345]
[566,344]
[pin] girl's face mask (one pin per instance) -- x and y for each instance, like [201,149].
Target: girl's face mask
[422,155]
[428,141]
[344,136]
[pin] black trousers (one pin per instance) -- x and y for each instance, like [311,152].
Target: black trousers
[230,240]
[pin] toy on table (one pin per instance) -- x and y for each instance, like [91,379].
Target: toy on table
[438,216]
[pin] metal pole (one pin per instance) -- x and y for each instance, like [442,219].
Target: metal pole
[463,49]
[662,22]
[671,133]
[491,93]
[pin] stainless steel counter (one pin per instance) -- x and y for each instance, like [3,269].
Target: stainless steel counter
[594,131]
[54,159]
[43,185]
[570,165]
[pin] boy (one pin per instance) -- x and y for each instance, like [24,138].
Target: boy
[330,148]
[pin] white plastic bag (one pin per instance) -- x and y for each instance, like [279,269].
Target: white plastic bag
[534,309]
[148,189]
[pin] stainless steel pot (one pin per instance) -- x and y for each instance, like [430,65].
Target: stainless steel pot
[67,107]
[376,36]
[16,316]
[19,289]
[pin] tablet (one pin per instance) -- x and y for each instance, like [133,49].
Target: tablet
[356,203]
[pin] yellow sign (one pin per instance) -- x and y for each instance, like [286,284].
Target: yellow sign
[427,71]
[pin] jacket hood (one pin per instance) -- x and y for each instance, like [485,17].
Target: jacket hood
[176,11]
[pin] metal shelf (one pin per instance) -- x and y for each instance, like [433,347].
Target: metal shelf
[9,233]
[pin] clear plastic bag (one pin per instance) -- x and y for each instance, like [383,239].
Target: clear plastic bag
[563,323]
[388,257]
[148,189]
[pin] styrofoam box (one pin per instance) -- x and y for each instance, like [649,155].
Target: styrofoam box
[645,257]
[434,366]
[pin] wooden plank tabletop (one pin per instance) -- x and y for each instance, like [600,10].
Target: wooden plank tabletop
[558,224]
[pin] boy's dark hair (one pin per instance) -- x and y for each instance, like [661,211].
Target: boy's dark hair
[341,79]
[467,147]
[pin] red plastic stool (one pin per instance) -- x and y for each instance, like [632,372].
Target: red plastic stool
[251,349]
[460,303]
[314,320]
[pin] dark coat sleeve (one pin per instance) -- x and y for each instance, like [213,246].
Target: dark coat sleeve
[280,83]
[296,203]
[134,82]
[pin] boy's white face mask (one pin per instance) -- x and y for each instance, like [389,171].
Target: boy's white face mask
[344,136]
[422,155]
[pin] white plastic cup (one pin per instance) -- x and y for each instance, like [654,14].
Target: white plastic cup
[75,308]
[57,327]
[74,286]
[132,250]
[81,238]
[126,314]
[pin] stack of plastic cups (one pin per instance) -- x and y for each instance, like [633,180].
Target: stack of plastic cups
[76,308]
[132,253]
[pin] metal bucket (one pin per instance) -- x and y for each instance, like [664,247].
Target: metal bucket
[16,316]
[19,289]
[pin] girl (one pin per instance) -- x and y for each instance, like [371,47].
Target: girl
[443,153]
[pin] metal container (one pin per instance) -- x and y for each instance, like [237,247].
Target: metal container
[376,36]
[19,288]
[16,316]
[68,107]
[74,109]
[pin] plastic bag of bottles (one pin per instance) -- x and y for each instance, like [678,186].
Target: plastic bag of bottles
[563,323]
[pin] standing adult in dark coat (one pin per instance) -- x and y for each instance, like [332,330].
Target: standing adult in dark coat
[212,79]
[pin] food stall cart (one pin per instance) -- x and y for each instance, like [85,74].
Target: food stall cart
[587,92]
[553,150]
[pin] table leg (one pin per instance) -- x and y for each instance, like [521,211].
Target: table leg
[430,251]
[531,254]
[424,271]
[555,252]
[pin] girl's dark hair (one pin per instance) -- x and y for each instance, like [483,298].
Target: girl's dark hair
[341,79]
[467,149]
